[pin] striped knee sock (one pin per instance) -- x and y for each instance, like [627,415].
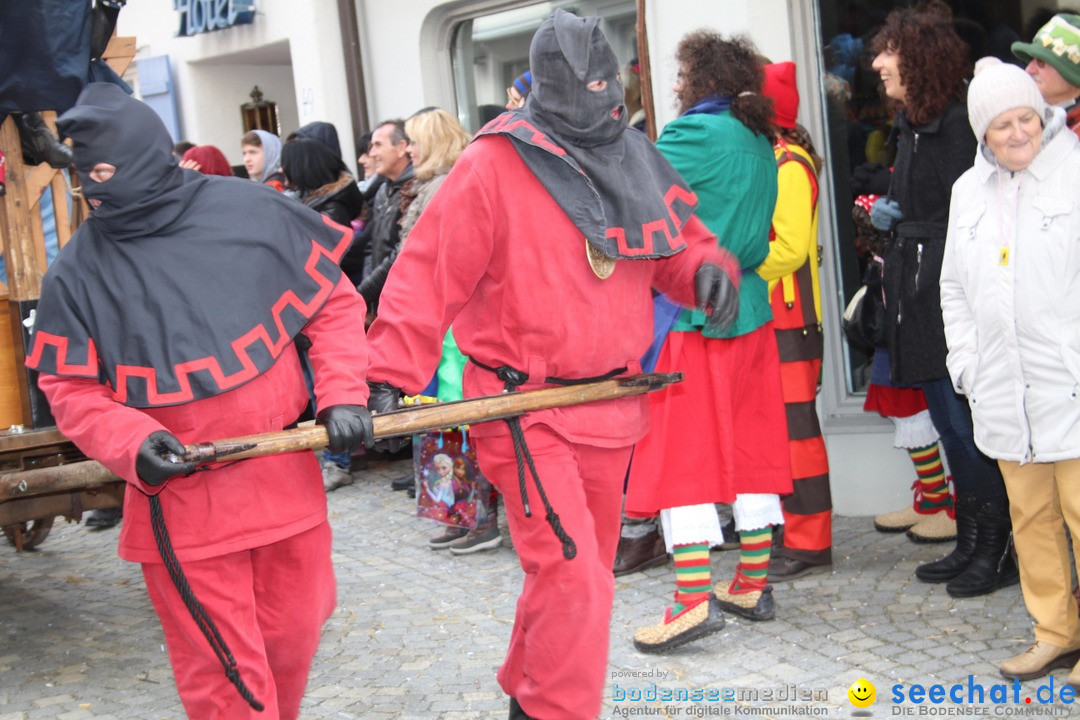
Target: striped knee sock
[934,487]
[755,547]
[692,580]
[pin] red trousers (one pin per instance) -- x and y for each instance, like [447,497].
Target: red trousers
[808,509]
[269,604]
[557,659]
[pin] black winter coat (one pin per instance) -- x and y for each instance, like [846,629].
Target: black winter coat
[929,159]
[377,247]
[342,201]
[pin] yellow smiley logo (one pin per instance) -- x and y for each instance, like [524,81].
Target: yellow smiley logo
[862,693]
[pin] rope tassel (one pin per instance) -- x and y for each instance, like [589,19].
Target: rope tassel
[198,612]
[512,379]
[521,448]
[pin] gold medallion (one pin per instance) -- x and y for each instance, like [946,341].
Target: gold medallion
[601,264]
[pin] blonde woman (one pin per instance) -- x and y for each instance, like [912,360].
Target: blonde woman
[436,139]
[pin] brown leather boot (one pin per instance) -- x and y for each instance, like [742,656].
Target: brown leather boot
[636,554]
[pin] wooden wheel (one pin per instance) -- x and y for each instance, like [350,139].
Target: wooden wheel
[29,534]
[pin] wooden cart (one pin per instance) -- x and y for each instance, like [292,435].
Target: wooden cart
[42,475]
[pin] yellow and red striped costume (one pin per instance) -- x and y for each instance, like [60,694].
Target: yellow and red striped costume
[794,293]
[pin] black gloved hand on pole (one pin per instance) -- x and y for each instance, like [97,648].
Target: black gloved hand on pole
[160,457]
[348,426]
[383,398]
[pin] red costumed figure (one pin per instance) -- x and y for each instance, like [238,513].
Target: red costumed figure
[542,251]
[169,318]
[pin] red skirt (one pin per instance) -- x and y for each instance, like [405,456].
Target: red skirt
[898,402]
[720,432]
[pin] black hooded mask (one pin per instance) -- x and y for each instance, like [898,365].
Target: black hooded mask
[614,185]
[179,286]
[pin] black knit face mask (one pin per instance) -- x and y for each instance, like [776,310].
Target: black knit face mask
[576,84]
[108,126]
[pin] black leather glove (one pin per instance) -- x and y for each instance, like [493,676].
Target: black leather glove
[160,457]
[384,397]
[870,179]
[103,21]
[714,291]
[349,427]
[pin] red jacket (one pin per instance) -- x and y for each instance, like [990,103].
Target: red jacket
[230,507]
[495,255]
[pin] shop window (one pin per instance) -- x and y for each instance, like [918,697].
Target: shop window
[858,117]
[489,51]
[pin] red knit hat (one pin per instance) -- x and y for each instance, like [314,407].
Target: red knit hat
[780,88]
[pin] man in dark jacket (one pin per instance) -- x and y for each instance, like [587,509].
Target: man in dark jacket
[368,261]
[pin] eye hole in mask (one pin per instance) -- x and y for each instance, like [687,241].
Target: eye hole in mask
[102,172]
[597,86]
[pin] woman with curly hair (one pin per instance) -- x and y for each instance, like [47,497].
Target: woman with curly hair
[923,65]
[719,436]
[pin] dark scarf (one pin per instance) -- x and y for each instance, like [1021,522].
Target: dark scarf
[180,286]
[711,105]
[614,185]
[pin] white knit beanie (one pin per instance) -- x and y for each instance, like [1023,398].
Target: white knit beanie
[996,88]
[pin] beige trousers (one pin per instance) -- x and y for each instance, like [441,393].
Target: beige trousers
[1043,499]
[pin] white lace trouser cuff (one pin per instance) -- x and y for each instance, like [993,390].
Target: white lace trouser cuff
[692,524]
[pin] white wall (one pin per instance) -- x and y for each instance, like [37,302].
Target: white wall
[391,53]
[867,474]
[292,51]
[218,123]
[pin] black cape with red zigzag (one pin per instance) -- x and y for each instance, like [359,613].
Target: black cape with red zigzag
[624,196]
[199,305]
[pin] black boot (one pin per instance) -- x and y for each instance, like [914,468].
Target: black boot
[993,563]
[105,518]
[956,562]
[516,713]
[39,143]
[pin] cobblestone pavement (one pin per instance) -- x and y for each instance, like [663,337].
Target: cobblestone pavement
[419,634]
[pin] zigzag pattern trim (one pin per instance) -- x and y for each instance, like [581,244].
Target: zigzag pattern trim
[42,338]
[508,123]
[661,226]
[183,371]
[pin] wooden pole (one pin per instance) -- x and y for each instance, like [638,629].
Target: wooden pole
[424,418]
[408,421]
[646,72]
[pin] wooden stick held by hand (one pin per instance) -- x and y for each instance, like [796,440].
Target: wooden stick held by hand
[424,418]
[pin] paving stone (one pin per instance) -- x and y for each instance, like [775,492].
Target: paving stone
[418,635]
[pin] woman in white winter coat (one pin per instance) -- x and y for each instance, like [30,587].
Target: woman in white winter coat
[1010,286]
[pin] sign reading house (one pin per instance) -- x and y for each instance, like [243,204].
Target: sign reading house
[199,16]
